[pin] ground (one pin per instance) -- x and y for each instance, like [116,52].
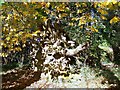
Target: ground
[25,78]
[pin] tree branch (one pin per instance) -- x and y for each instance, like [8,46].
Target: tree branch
[81,47]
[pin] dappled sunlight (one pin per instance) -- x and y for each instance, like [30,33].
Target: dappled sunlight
[60,45]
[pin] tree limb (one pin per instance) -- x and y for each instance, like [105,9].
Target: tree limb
[81,47]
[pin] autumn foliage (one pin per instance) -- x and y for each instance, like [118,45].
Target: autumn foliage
[96,22]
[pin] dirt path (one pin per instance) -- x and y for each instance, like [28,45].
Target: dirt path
[26,78]
[20,79]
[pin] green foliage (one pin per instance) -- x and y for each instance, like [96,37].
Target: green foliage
[84,21]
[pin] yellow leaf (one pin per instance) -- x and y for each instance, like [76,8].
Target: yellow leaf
[28,35]
[77,4]
[35,33]
[95,4]
[8,17]
[24,40]
[44,19]
[82,20]
[8,38]
[2,43]
[110,6]
[71,24]
[64,14]
[38,31]
[114,20]
[47,11]
[16,35]
[93,29]
[20,33]
[14,39]
[18,49]
[75,19]
[47,5]
[79,11]
[103,17]
[84,4]
[96,30]
[25,3]
[81,27]
[104,12]
[3,54]
[61,7]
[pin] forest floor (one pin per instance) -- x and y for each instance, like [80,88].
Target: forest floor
[18,79]
[25,78]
